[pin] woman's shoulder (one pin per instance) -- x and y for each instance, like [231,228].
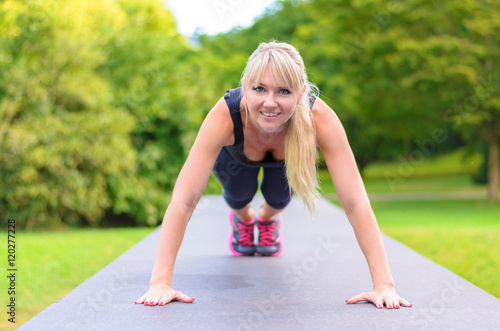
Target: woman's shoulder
[220,118]
[321,111]
[325,121]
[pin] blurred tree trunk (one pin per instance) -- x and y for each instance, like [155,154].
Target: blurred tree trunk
[494,164]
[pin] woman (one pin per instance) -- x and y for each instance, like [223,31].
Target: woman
[280,120]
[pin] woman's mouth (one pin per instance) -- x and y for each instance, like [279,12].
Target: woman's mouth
[266,114]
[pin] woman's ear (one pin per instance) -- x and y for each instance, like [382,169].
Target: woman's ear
[302,94]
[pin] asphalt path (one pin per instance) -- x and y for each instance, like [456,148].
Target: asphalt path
[303,289]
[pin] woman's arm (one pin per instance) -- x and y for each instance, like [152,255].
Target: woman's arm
[215,132]
[332,141]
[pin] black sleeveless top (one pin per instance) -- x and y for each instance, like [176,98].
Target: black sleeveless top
[233,100]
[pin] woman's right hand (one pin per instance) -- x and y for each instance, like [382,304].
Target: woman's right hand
[161,295]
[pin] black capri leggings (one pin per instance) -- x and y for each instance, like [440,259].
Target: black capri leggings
[240,182]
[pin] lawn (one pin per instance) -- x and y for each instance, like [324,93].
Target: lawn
[449,172]
[458,162]
[417,183]
[461,235]
[50,264]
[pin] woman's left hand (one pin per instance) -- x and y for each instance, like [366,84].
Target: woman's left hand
[381,295]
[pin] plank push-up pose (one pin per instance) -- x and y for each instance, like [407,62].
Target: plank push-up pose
[279,127]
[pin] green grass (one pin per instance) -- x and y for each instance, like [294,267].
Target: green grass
[447,173]
[463,236]
[50,264]
[436,183]
[455,163]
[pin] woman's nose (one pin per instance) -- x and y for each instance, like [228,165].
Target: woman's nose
[270,100]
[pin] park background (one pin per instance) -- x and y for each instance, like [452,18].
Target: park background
[100,101]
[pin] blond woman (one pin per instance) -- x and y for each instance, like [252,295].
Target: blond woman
[273,121]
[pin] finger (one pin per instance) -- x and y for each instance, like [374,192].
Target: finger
[389,303]
[358,298]
[154,301]
[404,302]
[164,299]
[149,300]
[141,299]
[396,303]
[379,302]
[181,296]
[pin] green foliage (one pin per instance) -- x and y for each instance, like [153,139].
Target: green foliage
[100,101]
[149,67]
[61,141]
[396,72]
[371,70]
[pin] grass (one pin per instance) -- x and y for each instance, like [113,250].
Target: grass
[450,172]
[51,264]
[455,163]
[435,183]
[461,235]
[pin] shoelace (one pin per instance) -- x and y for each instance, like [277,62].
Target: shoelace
[246,234]
[266,234]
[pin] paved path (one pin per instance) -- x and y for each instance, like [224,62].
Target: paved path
[304,289]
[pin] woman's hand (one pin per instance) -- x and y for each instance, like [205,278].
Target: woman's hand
[161,295]
[381,295]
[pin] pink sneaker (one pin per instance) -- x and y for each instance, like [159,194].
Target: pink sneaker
[270,240]
[241,238]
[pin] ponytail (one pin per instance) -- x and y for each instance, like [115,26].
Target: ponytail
[301,154]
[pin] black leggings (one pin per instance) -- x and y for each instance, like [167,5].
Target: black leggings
[240,182]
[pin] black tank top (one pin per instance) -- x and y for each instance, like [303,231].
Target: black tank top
[233,100]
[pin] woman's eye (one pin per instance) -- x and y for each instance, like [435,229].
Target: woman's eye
[285,91]
[258,89]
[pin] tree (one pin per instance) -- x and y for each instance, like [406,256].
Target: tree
[61,141]
[358,50]
[394,70]
[478,114]
[154,77]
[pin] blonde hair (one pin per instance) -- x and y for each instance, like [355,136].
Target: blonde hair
[288,69]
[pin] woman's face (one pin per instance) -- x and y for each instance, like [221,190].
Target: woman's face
[270,105]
